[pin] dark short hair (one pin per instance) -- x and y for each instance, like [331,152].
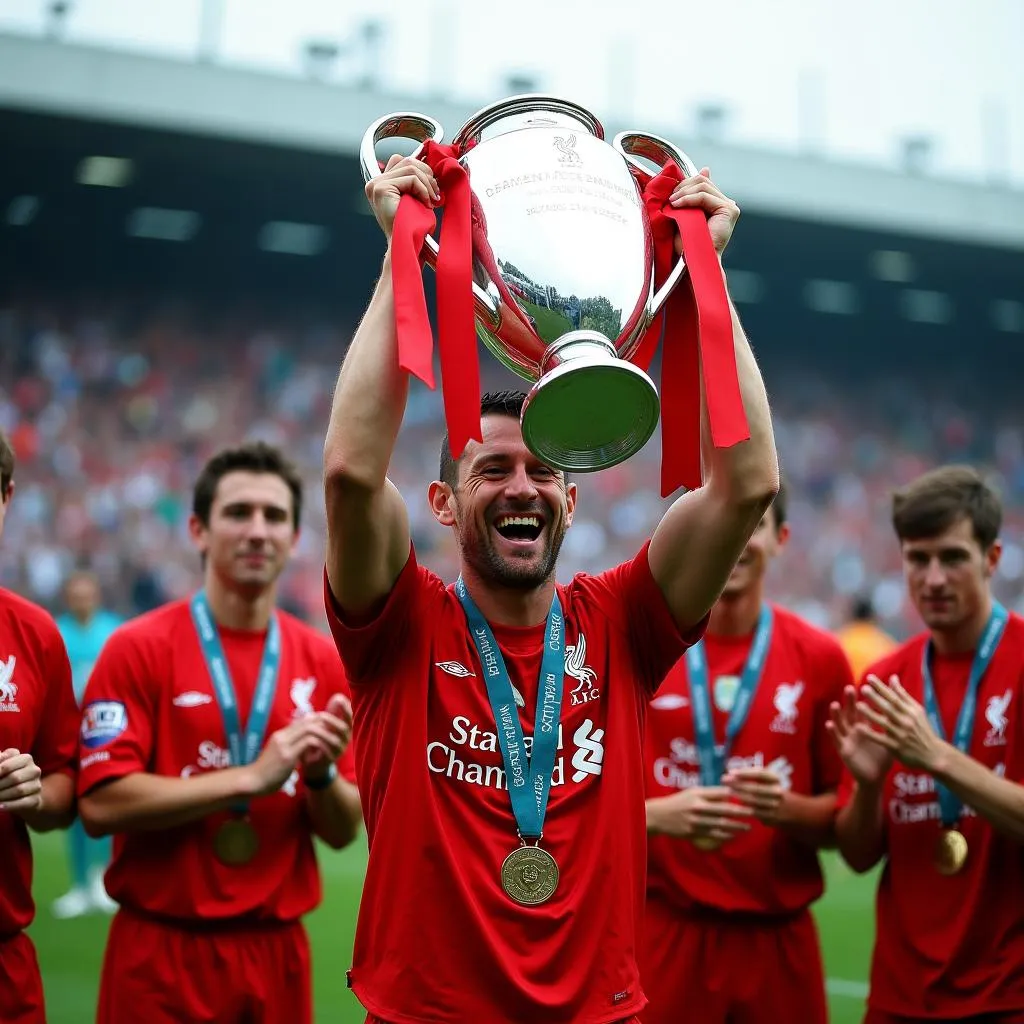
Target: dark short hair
[940,498]
[6,464]
[251,457]
[494,403]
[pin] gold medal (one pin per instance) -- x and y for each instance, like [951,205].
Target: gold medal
[529,875]
[706,842]
[950,852]
[236,842]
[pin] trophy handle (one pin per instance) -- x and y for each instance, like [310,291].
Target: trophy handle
[419,128]
[659,151]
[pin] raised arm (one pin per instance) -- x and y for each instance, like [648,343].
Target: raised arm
[367,522]
[703,533]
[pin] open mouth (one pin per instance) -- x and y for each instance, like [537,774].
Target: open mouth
[519,529]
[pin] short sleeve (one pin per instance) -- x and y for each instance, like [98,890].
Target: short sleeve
[367,647]
[119,707]
[56,742]
[836,675]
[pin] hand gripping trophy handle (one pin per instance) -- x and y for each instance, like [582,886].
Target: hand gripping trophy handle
[418,128]
[659,152]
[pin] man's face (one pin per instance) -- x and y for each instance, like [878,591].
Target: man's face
[510,511]
[83,596]
[250,536]
[948,575]
[765,543]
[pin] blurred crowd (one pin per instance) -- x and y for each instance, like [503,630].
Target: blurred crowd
[113,407]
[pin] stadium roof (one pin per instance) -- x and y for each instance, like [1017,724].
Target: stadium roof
[74,80]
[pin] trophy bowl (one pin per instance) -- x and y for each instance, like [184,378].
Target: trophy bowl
[563,266]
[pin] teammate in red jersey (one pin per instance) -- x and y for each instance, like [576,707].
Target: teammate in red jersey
[212,734]
[38,731]
[741,780]
[531,720]
[934,747]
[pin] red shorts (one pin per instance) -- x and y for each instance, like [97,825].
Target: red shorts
[708,967]
[21,988]
[1001,1017]
[160,973]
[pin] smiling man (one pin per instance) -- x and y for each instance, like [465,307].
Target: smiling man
[211,733]
[500,753]
[934,747]
[741,780]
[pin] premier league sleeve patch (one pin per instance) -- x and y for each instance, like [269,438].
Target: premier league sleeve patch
[102,722]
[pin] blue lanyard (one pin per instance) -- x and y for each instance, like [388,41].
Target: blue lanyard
[243,750]
[528,774]
[712,757]
[949,804]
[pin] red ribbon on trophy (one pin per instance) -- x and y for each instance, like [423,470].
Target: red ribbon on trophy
[697,337]
[697,320]
[457,347]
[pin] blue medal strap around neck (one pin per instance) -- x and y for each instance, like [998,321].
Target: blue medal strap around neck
[713,758]
[528,774]
[244,748]
[950,805]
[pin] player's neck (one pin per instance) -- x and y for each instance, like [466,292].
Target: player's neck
[239,610]
[737,614]
[83,618]
[964,637]
[509,606]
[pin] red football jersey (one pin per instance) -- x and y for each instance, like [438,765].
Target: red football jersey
[150,707]
[952,946]
[765,870]
[437,937]
[38,716]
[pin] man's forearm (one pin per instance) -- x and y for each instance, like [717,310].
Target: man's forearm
[57,809]
[859,830]
[335,812]
[141,802]
[996,799]
[369,400]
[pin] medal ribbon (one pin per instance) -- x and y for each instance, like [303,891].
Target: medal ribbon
[712,758]
[949,804]
[528,775]
[244,750]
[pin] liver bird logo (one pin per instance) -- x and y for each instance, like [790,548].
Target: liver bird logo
[567,147]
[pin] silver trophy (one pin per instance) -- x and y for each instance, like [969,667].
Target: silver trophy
[563,266]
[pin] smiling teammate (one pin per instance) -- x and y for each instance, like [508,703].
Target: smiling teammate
[211,732]
[934,746]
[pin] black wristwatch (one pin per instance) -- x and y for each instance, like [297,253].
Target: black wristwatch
[322,781]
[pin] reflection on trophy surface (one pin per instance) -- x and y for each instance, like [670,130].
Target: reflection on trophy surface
[563,266]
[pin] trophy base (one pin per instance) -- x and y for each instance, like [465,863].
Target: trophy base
[590,409]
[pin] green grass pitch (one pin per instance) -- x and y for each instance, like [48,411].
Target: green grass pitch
[70,952]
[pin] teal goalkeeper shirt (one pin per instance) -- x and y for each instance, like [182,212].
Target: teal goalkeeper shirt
[84,644]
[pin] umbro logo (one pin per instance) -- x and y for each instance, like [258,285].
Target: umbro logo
[191,699]
[457,669]
[454,668]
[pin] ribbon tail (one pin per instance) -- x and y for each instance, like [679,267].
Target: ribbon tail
[460,361]
[726,415]
[680,390]
[412,323]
